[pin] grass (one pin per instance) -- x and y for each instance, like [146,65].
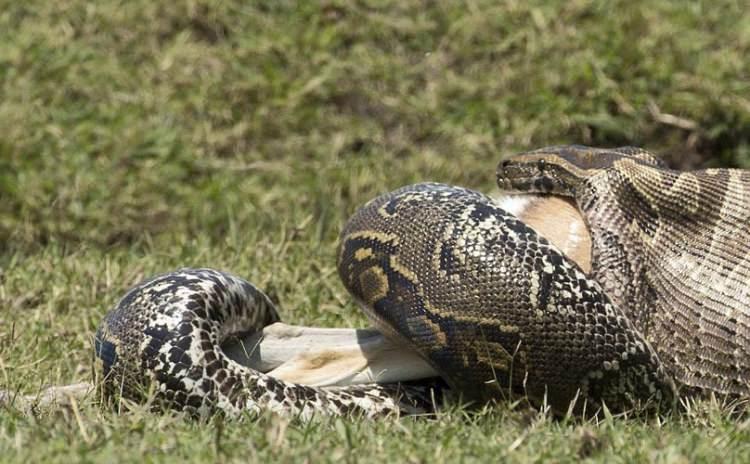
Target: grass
[139,137]
[453,437]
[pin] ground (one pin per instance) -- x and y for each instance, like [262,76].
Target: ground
[138,137]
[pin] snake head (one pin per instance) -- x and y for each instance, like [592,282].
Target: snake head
[560,170]
[537,172]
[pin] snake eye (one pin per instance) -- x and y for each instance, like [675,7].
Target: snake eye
[541,164]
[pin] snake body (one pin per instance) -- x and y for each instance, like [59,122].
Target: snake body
[162,341]
[494,307]
[670,249]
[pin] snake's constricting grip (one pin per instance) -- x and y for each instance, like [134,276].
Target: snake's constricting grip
[669,248]
[492,306]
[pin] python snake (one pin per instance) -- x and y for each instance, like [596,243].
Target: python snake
[493,306]
[669,248]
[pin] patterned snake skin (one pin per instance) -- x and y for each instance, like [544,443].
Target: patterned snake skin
[669,248]
[163,339]
[496,309]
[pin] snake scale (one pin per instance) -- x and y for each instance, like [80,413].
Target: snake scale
[669,248]
[494,307]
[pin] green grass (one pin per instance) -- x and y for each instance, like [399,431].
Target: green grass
[138,137]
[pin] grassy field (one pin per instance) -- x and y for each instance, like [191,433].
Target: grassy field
[138,137]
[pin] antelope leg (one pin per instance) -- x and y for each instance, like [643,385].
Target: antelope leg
[325,357]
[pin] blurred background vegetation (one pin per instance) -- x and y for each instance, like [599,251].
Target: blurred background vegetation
[125,121]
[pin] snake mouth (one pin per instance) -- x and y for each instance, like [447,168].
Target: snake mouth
[324,357]
[516,180]
[519,185]
[512,178]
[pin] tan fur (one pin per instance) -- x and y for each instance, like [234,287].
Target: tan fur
[559,221]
